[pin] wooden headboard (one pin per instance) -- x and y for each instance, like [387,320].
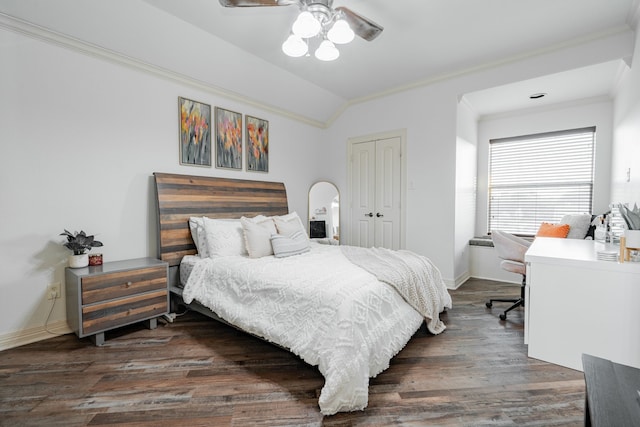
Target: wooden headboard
[179,197]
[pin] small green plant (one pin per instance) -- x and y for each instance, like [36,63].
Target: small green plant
[79,242]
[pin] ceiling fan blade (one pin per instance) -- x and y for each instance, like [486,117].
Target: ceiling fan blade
[360,25]
[256,3]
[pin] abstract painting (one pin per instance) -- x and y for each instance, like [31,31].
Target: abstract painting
[195,132]
[228,139]
[257,144]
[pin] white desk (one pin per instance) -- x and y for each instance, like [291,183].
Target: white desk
[576,304]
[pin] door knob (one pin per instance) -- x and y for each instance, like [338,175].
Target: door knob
[379,215]
[370,214]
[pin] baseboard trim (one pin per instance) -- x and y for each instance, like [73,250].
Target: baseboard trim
[493,279]
[31,335]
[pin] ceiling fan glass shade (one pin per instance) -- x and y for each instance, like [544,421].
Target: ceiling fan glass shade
[306,25]
[294,46]
[327,51]
[341,32]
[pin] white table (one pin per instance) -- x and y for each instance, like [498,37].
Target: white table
[576,304]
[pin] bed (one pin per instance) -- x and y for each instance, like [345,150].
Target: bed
[337,308]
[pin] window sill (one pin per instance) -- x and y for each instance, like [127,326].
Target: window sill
[481,241]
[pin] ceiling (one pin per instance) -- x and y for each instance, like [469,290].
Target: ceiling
[425,40]
[236,52]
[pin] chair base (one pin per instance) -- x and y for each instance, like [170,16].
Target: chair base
[516,302]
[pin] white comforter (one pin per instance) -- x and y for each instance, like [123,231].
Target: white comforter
[322,307]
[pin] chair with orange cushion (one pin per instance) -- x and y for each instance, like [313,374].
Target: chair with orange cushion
[511,250]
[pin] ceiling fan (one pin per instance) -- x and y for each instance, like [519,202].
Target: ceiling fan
[318,19]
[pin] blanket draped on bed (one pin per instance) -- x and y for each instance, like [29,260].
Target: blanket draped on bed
[413,276]
[324,308]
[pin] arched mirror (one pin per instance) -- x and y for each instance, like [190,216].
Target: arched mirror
[324,211]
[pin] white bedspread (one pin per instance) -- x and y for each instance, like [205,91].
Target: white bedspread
[322,307]
[412,275]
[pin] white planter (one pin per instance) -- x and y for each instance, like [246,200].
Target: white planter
[79,261]
[632,238]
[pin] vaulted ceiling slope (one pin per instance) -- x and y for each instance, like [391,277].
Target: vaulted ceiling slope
[236,52]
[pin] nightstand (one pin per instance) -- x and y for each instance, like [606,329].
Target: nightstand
[103,297]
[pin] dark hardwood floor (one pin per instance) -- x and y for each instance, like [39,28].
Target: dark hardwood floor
[198,372]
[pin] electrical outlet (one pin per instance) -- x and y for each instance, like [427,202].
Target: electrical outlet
[54,290]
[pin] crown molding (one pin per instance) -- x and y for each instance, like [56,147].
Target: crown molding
[52,37]
[40,33]
[464,101]
[547,108]
[494,64]
[633,16]
[623,67]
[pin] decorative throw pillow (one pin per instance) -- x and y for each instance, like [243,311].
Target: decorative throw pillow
[198,234]
[257,236]
[224,237]
[294,244]
[289,224]
[579,225]
[553,230]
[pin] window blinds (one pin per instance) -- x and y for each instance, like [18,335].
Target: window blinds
[540,178]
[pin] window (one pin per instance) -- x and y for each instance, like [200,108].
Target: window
[539,178]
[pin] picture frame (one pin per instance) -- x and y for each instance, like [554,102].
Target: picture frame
[195,132]
[228,139]
[257,144]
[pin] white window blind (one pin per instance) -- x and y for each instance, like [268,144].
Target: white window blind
[540,178]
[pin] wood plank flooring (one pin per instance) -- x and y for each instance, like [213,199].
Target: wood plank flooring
[198,372]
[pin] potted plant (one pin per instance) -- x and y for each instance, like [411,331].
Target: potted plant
[79,243]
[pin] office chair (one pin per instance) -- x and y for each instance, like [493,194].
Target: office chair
[511,249]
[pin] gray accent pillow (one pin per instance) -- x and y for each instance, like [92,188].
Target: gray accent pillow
[294,244]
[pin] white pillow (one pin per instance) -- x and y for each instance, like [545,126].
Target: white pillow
[295,244]
[289,224]
[198,234]
[257,235]
[224,237]
[578,225]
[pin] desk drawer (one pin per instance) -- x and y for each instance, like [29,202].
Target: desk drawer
[111,314]
[108,286]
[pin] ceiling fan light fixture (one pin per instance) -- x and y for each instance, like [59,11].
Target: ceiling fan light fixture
[341,32]
[294,46]
[306,25]
[327,51]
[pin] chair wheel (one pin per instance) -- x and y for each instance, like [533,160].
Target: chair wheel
[489,305]
[503,316]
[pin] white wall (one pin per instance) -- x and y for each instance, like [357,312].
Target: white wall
[80,139]
[626,146]
[598,113]
[429,116]
[466,172]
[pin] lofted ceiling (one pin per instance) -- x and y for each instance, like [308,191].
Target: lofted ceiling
[423,41]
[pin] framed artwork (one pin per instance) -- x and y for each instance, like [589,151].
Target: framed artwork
[195,132]
[257,144]
[228,139]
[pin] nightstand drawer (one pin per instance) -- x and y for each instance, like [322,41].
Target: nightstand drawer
[124,283]
[111,314]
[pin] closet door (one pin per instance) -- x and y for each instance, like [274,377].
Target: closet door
[363,194]
[376,188]
[388,189]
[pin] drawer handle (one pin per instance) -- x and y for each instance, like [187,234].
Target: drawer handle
[127,285]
